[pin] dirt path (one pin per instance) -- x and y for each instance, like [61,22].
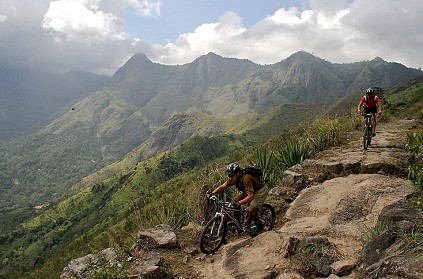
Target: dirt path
[348,188]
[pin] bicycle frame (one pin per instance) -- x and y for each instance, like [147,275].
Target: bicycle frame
[228,213]
[368,117]
[216,229]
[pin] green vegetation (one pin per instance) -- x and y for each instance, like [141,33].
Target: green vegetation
[412,243]
[168,188]
[372,233]
[415,147]
[295,147]
[165,189]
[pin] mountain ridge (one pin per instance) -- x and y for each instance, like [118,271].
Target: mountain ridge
[164,189]
[146,97]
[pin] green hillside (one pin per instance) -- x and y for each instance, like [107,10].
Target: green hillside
[166,188]
[209,96]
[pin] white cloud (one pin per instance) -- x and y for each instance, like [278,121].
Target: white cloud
[290,17]
[269,41]
[339,31]
[147,7]
[79,20]
[89,34]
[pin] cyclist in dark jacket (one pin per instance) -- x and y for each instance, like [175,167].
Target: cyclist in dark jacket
[371,104]
[252,190]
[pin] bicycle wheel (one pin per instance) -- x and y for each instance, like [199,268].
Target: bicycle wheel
[366,138]
[267,217]
[213,235]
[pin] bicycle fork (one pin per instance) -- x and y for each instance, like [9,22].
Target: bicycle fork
[215,228]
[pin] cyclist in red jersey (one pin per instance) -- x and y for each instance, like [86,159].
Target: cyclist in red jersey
[371,104]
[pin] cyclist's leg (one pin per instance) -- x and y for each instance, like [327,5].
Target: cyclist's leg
[257,202]
[373,111]
[365,111]
[237,198]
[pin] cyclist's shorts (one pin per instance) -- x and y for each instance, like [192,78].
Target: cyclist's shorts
[259,197]
[370,110]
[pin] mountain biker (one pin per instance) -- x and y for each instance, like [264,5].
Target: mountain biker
[371,104]
[252,190]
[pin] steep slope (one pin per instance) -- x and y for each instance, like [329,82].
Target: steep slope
[164,189]
[28,98]
[304,78]
[146,97]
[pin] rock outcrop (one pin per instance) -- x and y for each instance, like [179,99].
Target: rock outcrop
[326,207]
[331,203]
[145,261]
[389,254]
[87,266]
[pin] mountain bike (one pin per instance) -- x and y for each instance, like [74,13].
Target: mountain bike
[216,230]
[367,132]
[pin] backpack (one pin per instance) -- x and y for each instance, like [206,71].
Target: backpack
[254,171]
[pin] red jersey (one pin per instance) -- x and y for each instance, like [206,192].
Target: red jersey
[369,102]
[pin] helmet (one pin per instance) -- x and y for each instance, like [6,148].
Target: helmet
[233,168]
[370,91]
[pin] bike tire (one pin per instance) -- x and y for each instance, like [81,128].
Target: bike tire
[366,138]
[213,235]
[267,216]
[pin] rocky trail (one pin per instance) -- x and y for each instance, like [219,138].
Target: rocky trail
[337,199]
[326,207]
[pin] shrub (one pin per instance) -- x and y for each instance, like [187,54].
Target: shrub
[414,147]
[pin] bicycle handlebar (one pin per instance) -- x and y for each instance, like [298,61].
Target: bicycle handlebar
[223,203]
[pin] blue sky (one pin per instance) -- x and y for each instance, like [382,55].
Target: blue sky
[178,17]
[101,35]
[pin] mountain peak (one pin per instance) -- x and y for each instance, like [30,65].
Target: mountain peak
[302,55]
[140,58]
[378,60]
[136,64]
[211,56]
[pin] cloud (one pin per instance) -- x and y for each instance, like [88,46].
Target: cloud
[79,21]
[270,40]
[146,7]
[339,31]
[90,34]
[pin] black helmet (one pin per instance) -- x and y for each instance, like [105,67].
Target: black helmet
[233,168]
[370,91]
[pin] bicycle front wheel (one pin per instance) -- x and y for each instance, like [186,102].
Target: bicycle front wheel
[366,137]
[267,216]
[213,235]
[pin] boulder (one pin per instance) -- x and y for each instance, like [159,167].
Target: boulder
[147,265]
[161,236]
[81,268]
[389,255]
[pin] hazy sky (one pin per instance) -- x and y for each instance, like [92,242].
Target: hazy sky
[101,35]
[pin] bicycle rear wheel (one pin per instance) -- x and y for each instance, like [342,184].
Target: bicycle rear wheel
[213,235]
[267,216]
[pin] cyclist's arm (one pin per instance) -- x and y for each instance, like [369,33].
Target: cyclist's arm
[222,187]
[379,104]
[249,189]
[362,100]
[247,199]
